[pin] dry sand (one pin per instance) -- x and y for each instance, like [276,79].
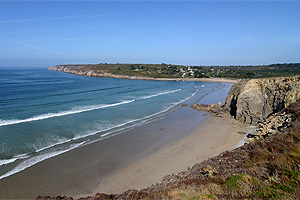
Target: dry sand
[217,80]
[212,137]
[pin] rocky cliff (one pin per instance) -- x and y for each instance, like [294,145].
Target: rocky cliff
[94,71]
[256,99]
[83,70]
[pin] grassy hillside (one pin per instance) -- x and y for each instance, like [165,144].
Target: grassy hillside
[180,71]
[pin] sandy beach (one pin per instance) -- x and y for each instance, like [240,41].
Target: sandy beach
[216,80]
[133,159]
[212,137]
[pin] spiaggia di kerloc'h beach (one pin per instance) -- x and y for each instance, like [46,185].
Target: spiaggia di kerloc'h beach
[149,100]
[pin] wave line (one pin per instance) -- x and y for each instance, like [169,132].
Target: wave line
[34,160]
[76,111]
[162,93]
[13,159]
[59,114]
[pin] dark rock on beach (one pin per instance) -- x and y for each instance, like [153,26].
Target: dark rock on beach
[212,108]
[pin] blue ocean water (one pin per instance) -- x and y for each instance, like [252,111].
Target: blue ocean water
[45,113]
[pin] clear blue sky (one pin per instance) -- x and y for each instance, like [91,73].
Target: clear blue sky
[44,33]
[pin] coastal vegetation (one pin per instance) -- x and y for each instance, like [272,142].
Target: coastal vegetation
[181,71]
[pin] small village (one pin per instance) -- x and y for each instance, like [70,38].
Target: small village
[180,71]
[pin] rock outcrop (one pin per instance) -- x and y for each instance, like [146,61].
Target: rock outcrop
[256,99]
[272,125]
[83,70]
[212,108]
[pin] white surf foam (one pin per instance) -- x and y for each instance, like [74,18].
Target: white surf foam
[13,159]
[123,126]
[158,94]
[52,145]
[62,113]
[36,159]
[90,133]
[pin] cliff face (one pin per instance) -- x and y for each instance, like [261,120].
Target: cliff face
[254,100]
[83,70]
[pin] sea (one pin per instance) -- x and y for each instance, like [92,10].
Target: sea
[46,113]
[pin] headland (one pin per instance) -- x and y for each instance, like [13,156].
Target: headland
[101,71]
[180,72]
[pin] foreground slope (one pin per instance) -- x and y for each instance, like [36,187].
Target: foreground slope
[266,169]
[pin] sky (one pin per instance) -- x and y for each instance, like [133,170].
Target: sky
[43,33]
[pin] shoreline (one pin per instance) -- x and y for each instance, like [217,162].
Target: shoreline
[81,170]
[215,80]
[212,137]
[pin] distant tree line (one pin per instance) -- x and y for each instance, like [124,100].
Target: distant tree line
[178,71]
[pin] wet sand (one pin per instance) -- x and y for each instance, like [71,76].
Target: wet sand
[134,159]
